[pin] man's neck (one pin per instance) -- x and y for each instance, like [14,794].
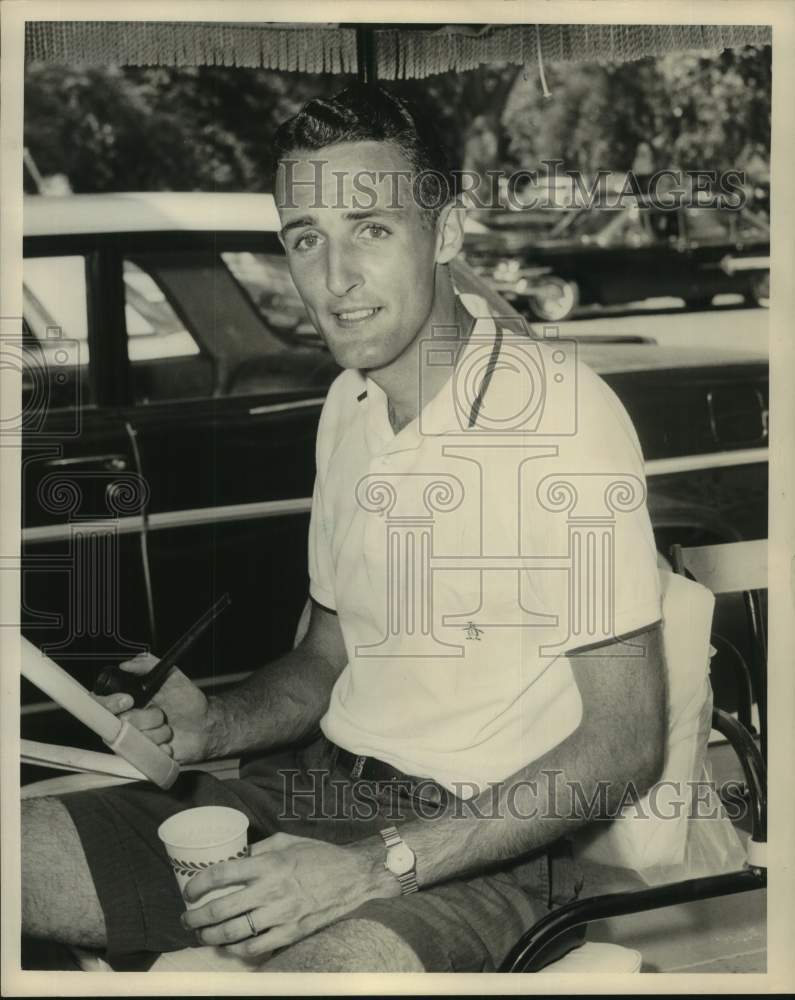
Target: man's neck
[401,381]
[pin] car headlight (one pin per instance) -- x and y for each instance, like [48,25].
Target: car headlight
[506,270]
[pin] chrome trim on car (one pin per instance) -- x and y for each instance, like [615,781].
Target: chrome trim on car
[303,505]
[278,407]
[713,460]
[182,518]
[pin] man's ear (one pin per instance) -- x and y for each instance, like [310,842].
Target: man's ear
[450,231]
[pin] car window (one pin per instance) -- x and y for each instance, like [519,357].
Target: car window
[752,226]
[663,226]
[153,328]
[708,225]
[589,222]
[266,280]
[624,228]
[166,362]
[55,354]
[208,324]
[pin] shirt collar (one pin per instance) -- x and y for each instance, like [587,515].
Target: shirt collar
[448,411]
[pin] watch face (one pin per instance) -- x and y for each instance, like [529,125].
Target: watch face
[400,859]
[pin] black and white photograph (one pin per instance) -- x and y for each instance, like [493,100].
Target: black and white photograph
[397,532]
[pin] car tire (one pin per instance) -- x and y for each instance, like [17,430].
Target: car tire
[558,299]
[703,302]
[759,292]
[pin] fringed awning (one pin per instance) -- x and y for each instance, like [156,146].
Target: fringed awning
[407,53]
[400,52]
[299,48]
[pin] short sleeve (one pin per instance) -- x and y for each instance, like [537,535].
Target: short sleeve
[321,569]
[590,513]
[321,527]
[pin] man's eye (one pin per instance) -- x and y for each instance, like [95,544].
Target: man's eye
[307,241]
[376,230]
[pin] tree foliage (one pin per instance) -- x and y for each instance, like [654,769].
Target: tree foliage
[693,110]
[210,128]
[172,129]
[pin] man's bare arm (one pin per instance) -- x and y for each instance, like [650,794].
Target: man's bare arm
[283,701]
[280,703]
[620,741]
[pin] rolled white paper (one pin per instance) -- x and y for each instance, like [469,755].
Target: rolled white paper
[123,739]
[67,692]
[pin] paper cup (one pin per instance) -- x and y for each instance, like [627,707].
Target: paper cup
[195,839]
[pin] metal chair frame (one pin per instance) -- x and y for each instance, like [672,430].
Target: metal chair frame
[541,943]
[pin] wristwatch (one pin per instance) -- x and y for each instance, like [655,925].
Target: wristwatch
[400,861]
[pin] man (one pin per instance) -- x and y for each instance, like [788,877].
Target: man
[446,699]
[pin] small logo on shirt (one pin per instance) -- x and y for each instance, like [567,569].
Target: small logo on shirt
[472,631]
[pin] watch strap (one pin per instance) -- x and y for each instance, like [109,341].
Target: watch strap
[408,881]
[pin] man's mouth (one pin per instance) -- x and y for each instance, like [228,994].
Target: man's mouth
[349,317]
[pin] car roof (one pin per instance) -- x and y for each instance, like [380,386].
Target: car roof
[60,215]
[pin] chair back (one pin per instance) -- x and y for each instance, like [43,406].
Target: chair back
[650,835]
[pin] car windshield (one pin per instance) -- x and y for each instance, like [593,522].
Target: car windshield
[588,222]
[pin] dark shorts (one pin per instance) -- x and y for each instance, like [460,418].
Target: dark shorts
[464,925]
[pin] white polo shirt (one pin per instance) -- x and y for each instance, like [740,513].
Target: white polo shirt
[465,555]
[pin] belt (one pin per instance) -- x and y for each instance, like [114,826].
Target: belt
[362,768]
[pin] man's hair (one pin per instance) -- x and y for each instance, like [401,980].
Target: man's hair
[365,112]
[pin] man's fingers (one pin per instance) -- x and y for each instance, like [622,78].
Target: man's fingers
[229,932]
[267,941]
[220,875]
[140,664]
[162,734]
[217,911]
[235,872]
[145,719]
[116,703]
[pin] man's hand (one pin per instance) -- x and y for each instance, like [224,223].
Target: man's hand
[177,718]
[278,704]
[293,886]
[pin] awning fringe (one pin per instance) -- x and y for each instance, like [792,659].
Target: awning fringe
[401,52]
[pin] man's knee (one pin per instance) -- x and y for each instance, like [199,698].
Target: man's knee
[58,896]
[349,946]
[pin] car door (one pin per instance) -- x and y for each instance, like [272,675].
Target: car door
[659,261]
[711,234]
[83,598]
[225,384]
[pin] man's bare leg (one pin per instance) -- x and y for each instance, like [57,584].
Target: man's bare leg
[348,946]
[59,903]
[58,897]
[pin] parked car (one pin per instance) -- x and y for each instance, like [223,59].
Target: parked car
[617,255]
[172,386]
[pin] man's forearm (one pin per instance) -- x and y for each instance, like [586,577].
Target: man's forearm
[616,751]
[553,798]
[280,703]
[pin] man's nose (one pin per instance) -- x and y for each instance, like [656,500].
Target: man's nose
[342,273]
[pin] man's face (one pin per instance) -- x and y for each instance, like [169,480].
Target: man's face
[360,253]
